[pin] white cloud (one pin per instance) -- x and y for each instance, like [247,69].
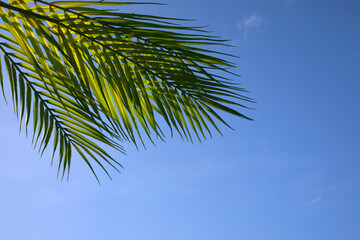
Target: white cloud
[289,2]
[314,201]
[321,194]
[253,21]
[249,25]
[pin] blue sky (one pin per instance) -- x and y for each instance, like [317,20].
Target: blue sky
[293,173]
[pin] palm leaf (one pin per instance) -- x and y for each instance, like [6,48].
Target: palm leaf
[91,77]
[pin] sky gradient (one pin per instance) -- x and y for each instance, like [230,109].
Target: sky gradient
[293,173]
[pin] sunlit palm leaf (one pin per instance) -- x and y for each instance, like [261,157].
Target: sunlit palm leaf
[90,76]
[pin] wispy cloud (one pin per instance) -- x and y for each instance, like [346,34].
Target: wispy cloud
[320,195]
[289,2]
[253,21]
[249,25]
[313,201]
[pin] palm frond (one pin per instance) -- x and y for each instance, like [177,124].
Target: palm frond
[90,76]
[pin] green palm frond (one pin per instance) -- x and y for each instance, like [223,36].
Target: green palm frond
[88,76]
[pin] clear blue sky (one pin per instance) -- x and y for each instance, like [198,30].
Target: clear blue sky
[293,173]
